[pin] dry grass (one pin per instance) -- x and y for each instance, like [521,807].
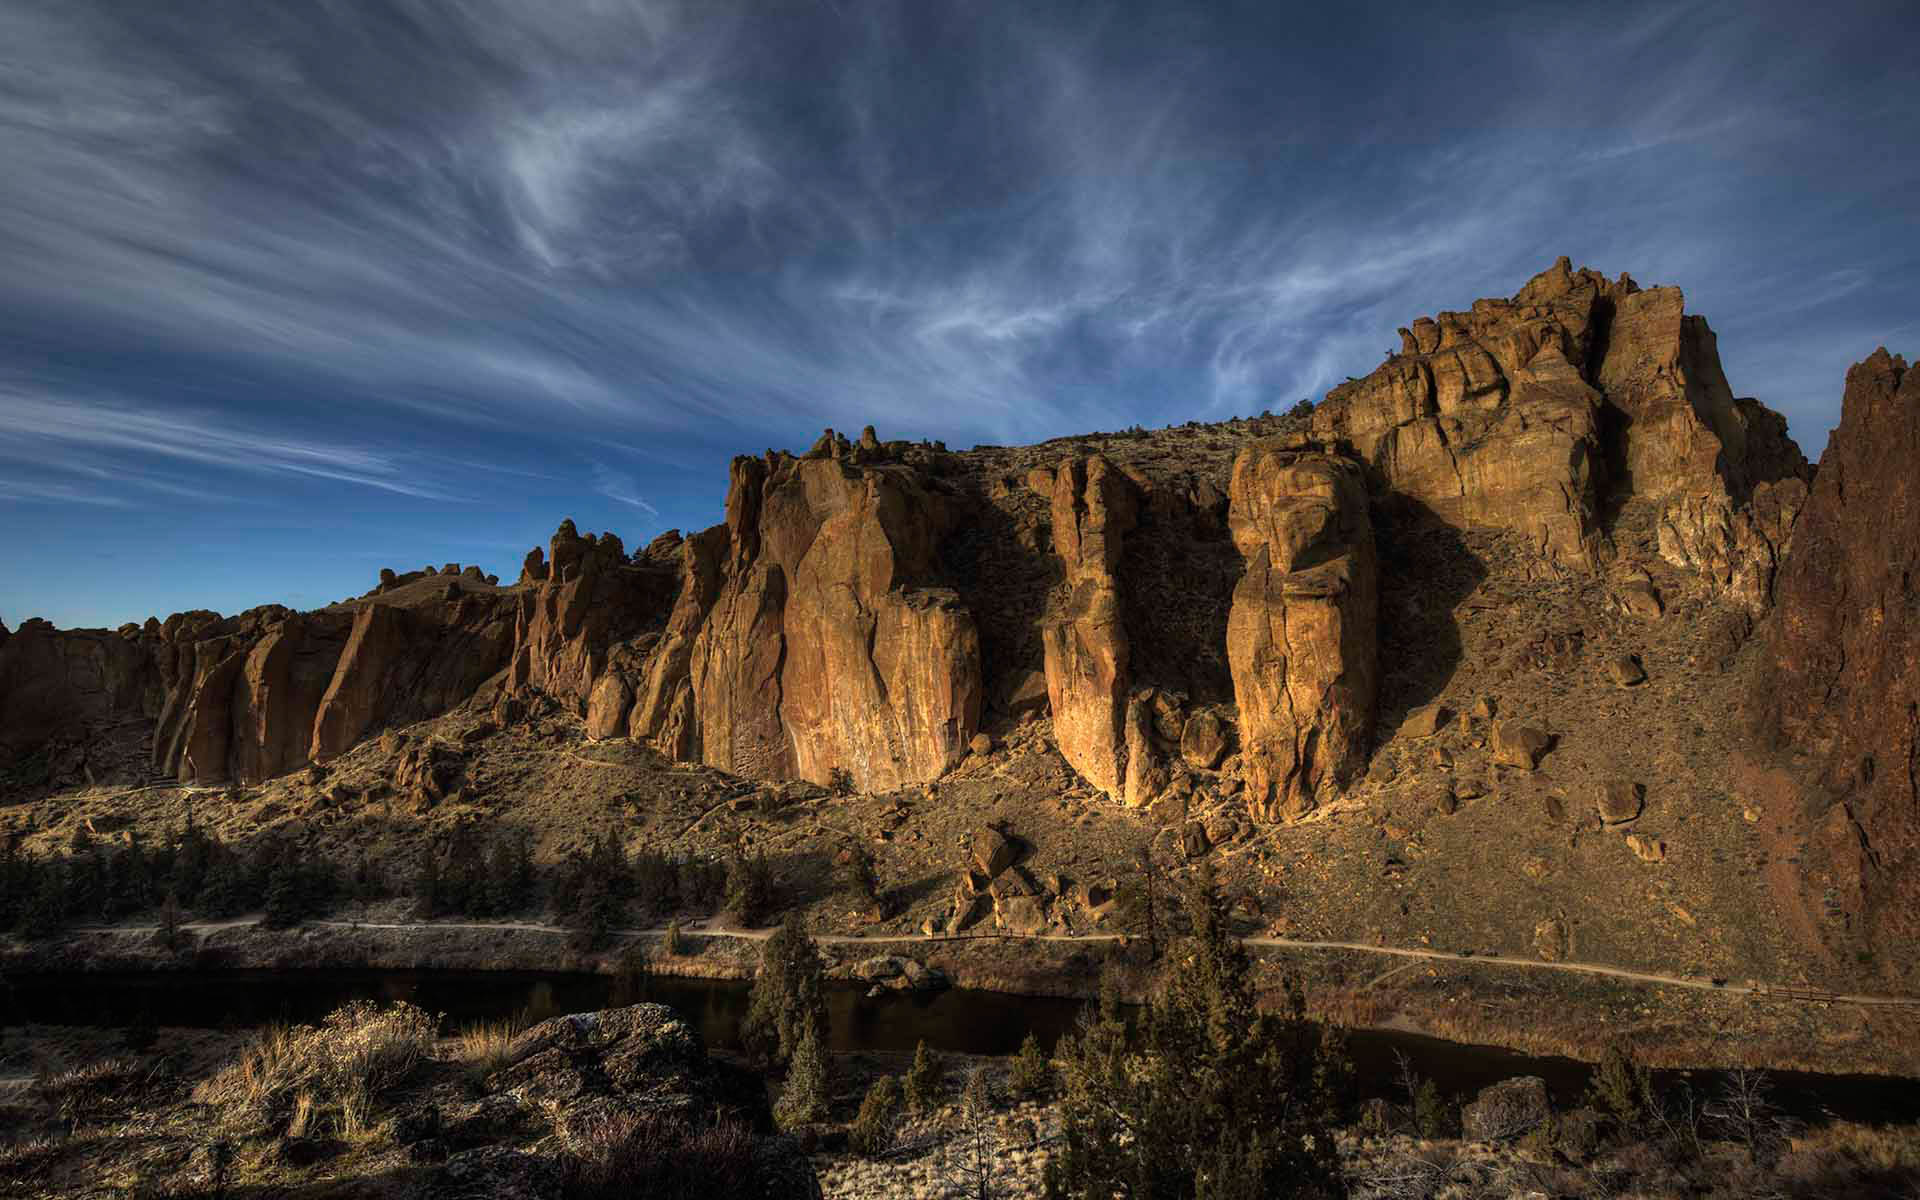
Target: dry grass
[80,1093]
[485,1047]
[678,1159]
[332,1075]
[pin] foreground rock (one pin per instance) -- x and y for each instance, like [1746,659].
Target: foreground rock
[621,1082]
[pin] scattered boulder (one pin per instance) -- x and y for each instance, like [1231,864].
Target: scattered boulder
[1023,914]
[1625,671]
[1619,801]
[1425,721]
[1193,840]
[1506,1110]
[1203,743]
[1640,599]
[1647,848]
[1517,745]
[982,743]
[992,851]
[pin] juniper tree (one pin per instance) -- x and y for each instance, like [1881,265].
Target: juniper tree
[1211,1097]
[789,999]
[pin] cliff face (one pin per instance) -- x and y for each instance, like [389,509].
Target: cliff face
[865,603]
[1840,680]
[1301,635]
[249,697]
[1543,412]
[810,635]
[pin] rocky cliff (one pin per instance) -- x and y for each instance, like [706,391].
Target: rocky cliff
[809,636]
[1200,626]
[1840,680]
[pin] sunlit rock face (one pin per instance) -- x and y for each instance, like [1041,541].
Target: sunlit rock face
[1301,636]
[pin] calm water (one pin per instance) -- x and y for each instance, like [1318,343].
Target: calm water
[957,1021]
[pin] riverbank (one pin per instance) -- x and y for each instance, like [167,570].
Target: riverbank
[1559,1012]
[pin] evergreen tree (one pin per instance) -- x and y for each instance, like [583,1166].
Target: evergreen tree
[925,1079]
[803,1097]
[872,1130]
[170,921]
[426,888]
[1032,1074]
[1213,1099]
[789,998]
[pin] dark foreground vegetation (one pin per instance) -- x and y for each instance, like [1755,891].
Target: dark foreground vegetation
[1197,1094]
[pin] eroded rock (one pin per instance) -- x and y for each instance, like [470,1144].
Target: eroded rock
[1301,633]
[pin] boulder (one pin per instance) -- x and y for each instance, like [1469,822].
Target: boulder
[1518,745]
[1193,840]
[1301,631]
[992,851]
[1619,801]
[1506,1110]
[1203,743]
[1425,721]
[981,744]
[1640,599]
[1625,671]
[1550,939]
[1647,848]
[1021,914]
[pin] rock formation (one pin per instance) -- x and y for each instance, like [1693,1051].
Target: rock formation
[1538,413]
[1300,636]
[1840,678]
[1084,639]
[809,636]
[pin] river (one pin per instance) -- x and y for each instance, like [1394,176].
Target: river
[956,1021]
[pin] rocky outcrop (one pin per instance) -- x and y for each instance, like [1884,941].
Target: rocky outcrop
[1083,636]
[1840,679]
[810,635]
[59,683]
[1301,633]
[1538,413]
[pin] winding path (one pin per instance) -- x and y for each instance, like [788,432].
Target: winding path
[1750,988]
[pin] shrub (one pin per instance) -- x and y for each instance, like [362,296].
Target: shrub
[1622,1088]
[872,1130]
[81,1093]
[1032,1075]
[925,1079]
[484,1047]
[346,1065]
[803,1098]
[749,894]
[665,1156]
[674,946]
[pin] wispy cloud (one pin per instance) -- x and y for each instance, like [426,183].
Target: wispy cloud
[620,488]
[29,420]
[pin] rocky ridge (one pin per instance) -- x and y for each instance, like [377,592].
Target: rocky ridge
[1198,623]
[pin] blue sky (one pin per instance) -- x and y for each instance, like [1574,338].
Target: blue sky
[292,291]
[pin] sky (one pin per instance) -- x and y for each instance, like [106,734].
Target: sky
[293,290]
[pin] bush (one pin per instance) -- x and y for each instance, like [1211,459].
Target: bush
[1622,1088]
[666,1156]
[344,1068]
[749,890]
[674,947]
[485,1047]
[925,1079]
[872,1130]
[1032,1075]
